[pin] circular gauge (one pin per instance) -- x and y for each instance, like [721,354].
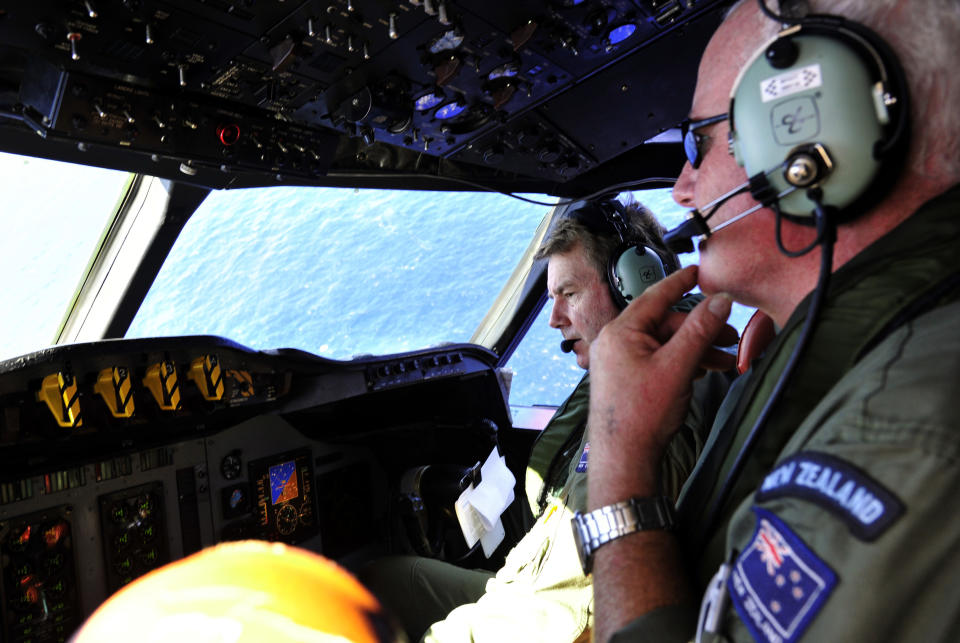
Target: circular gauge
[454,108]
[306,516]
[508,70]
[149,557]
[123,565]
[21,569]
[231,465]
[53,563]
[467,120]
[620,33]
[446,41]
[428,101]
[399,125]
[54,587]
[119,513]
[121,541]
[148,532]
[287,519]
[145,505]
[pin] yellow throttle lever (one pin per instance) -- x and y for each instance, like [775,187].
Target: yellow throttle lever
[205,372]
[161,380]
[59,391]
[114,386]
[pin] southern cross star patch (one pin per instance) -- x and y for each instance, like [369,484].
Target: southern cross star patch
[777,584]
[582,465]
[861,502]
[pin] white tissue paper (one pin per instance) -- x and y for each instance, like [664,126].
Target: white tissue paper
[479,507]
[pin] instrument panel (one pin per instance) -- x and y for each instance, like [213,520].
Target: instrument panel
[188,456]
[284,497]
[66,551]
[230,94]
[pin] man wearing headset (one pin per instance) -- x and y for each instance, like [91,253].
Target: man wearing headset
[839,521]
[541,593]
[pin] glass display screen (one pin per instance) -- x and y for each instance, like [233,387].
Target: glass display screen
[283,482]
[283,488]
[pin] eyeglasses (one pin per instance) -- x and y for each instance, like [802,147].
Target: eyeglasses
[692,140]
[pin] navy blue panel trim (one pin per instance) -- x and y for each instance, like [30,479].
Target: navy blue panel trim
[866,506]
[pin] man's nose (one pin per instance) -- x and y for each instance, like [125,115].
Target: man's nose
[557,318]
[683,188]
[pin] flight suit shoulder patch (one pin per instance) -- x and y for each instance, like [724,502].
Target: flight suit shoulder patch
[582,464]
[864,505]
[778,585]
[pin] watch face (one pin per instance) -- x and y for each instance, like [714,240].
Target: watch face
[586,557]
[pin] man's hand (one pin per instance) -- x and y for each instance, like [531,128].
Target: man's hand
[643,365]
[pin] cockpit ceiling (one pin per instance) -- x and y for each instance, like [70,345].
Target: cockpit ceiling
[553,96]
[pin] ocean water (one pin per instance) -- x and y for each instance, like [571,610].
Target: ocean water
[337,272]
[343,272]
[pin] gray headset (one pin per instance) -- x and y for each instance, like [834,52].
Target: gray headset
[633,267]
[822,106]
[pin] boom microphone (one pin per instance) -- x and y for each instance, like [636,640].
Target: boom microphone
[567,345]
[680,238]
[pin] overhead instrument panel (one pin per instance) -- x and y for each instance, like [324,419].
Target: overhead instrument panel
[243,92]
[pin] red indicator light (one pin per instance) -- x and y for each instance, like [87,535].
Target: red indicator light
[20,541]
[30,587]
[228,134]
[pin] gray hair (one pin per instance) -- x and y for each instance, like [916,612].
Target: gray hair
[600,243]
[925,36]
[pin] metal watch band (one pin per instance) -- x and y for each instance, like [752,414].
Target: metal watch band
[596,528]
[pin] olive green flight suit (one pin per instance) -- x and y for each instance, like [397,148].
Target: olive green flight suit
[843,525]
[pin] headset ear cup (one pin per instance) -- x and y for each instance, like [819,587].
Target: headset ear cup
[828,98]
[631,271]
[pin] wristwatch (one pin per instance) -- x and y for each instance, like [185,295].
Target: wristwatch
[596,528]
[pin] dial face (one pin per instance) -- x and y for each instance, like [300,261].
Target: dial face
[145,505]
[231,465]
[450,110]
[287,519]
[427,101]
[621,33]
[446,41]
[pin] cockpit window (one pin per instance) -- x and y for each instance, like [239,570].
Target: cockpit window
[54,217]
[338,272]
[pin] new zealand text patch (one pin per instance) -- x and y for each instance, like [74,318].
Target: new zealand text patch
[861,502]
[778,585]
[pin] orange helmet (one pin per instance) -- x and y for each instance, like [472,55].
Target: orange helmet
[243,592]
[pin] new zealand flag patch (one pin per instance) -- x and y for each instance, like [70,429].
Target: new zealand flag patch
[778,585]
[582,465]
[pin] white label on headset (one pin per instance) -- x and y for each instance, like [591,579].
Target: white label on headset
[790,82]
